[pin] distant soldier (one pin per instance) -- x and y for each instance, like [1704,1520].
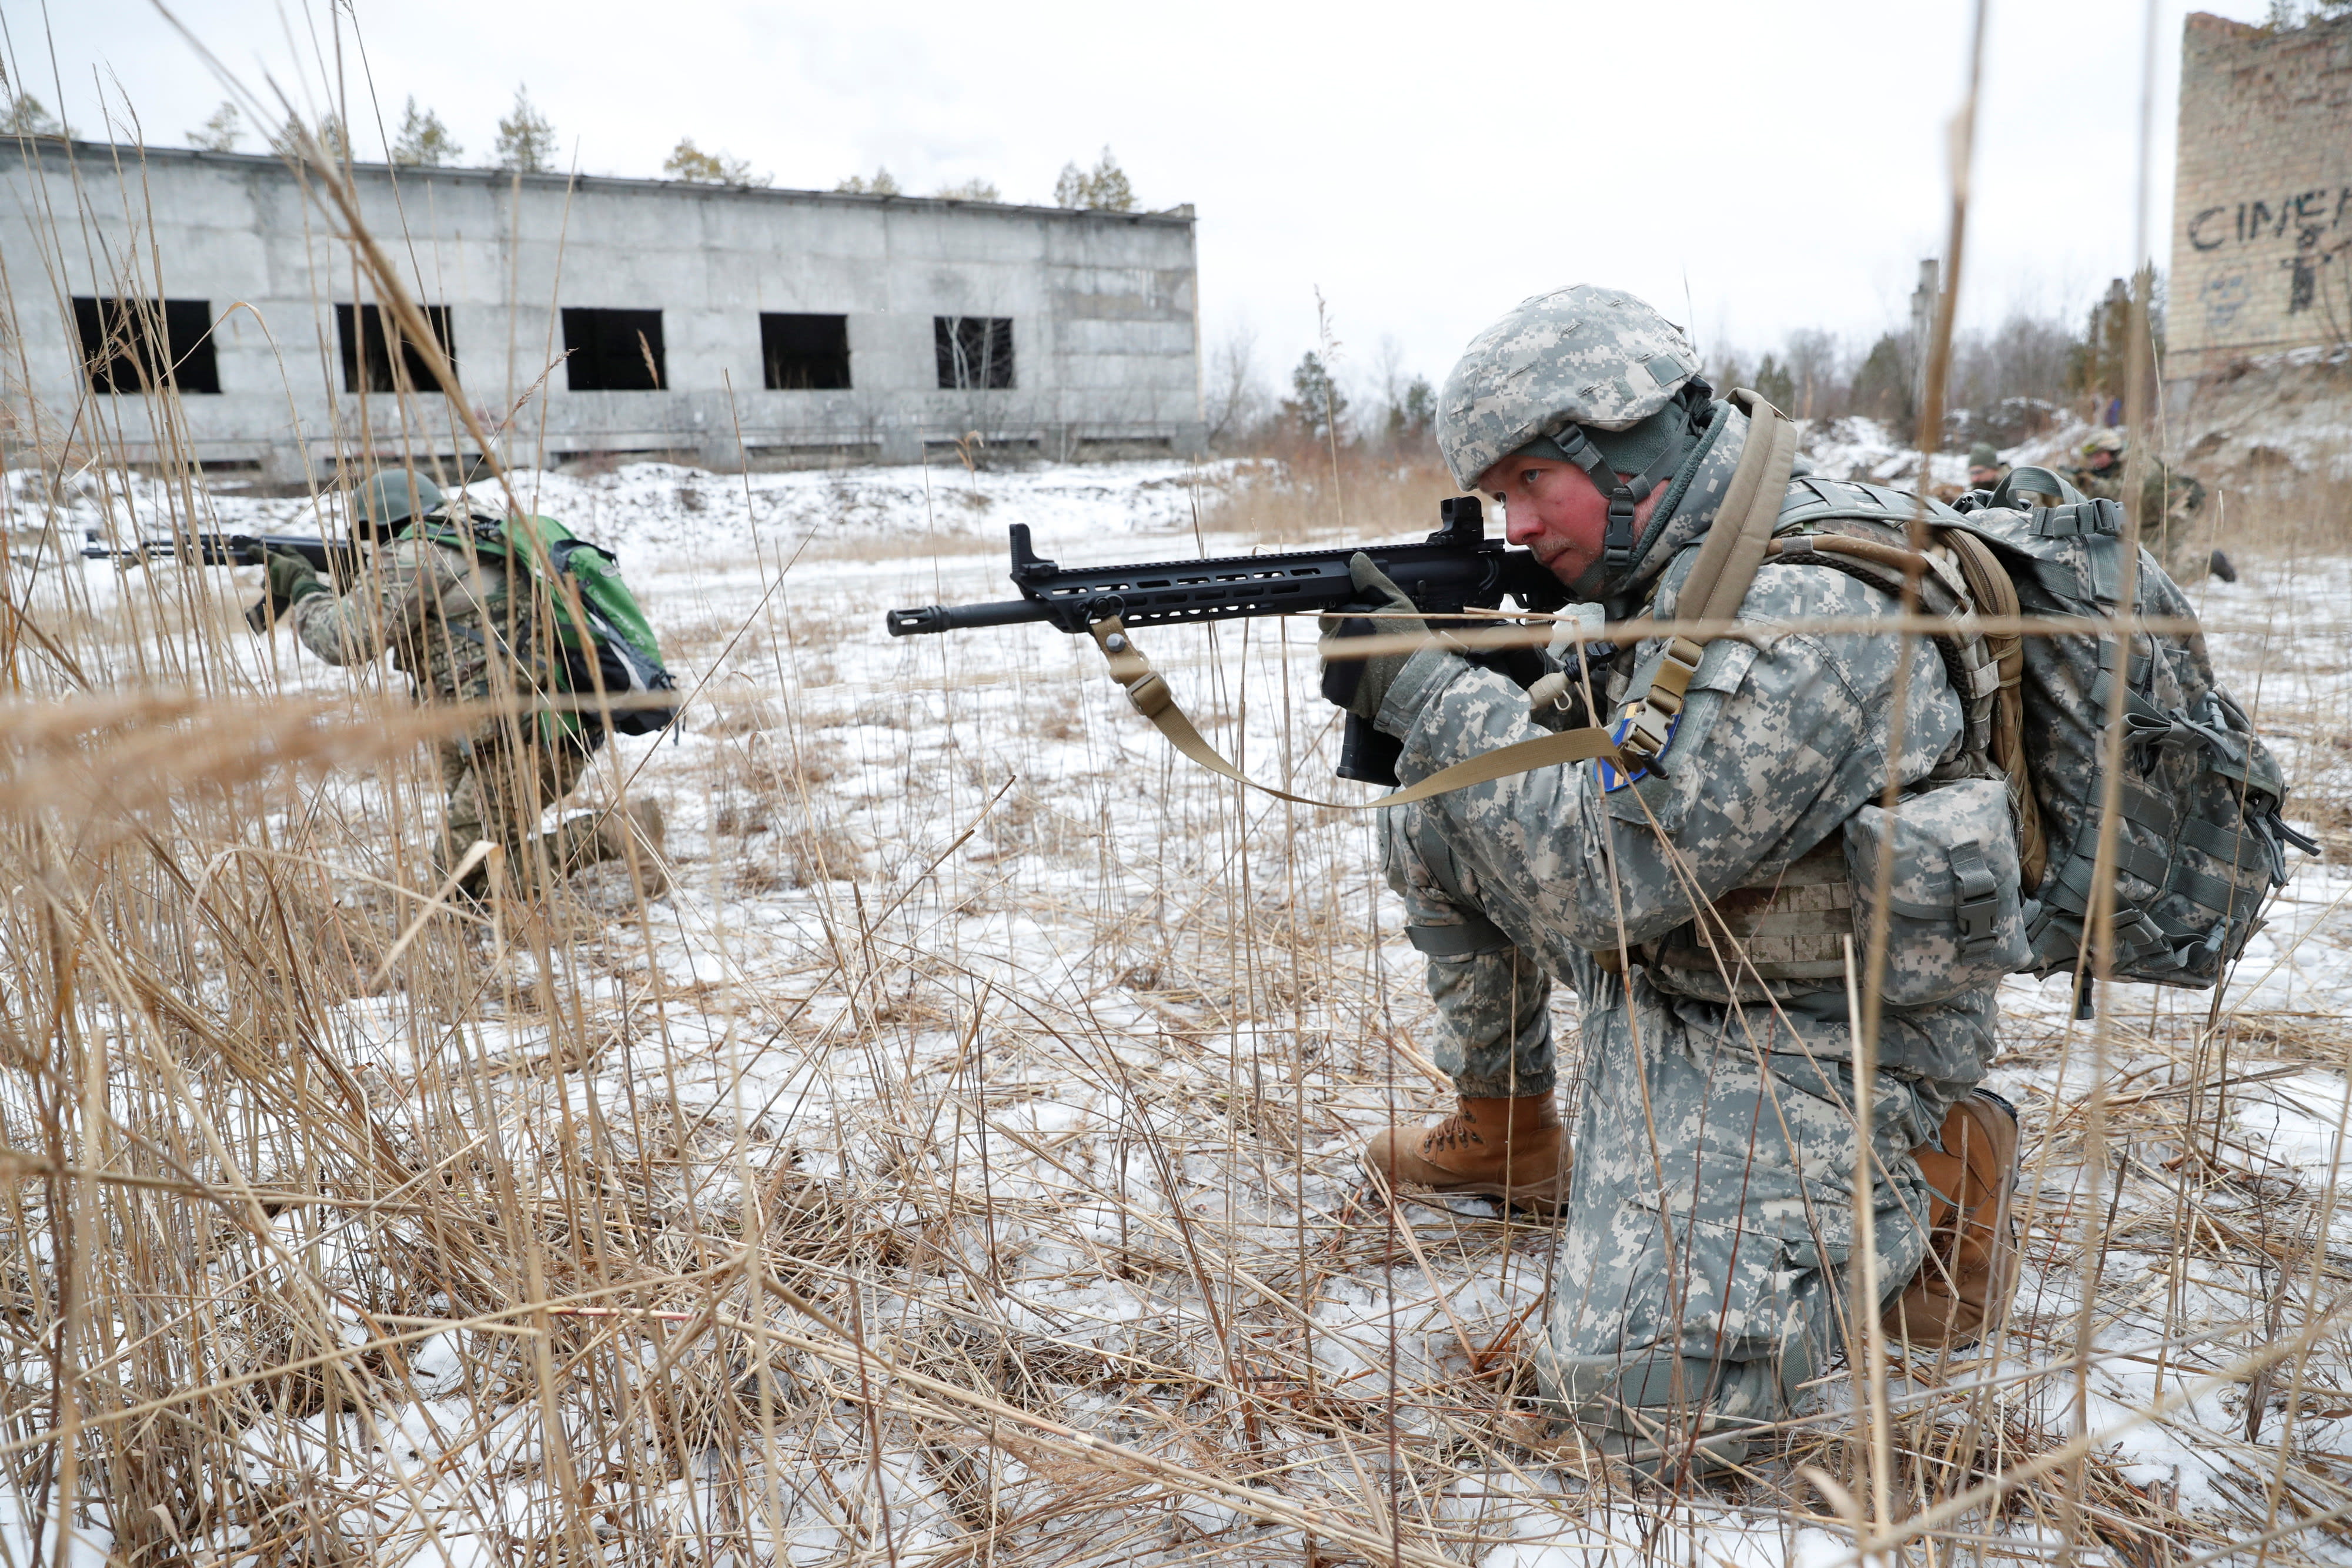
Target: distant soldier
[455,627]
[2169,501]
[1985,467]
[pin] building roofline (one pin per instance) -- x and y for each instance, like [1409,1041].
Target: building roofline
[2259,34]
[130,152]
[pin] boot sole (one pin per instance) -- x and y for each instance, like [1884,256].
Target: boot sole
[1548,1195]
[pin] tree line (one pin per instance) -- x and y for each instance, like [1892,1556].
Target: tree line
[2008,384]
[526,143]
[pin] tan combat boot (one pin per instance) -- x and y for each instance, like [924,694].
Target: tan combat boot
[641,818]
[1971,1264]
[1512,1149]
[592,838]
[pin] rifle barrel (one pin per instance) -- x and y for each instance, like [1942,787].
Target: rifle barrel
[962,617]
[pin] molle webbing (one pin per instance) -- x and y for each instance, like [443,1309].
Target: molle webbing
[1790,928]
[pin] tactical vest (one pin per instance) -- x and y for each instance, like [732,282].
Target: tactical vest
[1787,934]
[2200,840]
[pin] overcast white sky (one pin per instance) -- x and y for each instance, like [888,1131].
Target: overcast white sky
[1748,167]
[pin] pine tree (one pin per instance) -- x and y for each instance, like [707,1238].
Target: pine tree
[883,183]
[1103,189]
[1316,404]
[221,133]
[328,134]
[1412,415]
[28,116]
[526,141]
[1882,387]
[424,140]
[692,165]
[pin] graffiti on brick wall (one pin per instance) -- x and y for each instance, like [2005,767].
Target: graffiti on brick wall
[2318,222]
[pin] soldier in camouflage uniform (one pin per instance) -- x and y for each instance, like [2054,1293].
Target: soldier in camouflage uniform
[452,624]
[1985,467]
[2169,501]
[1709,1214]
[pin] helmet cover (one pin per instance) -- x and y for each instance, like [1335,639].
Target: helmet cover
[1582,355]
[383,502]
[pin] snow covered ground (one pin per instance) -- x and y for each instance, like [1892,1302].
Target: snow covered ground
[1079,1042]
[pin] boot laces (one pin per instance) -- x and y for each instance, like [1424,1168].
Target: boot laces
[1456,1132]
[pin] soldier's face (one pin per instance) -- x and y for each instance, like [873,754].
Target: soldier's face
[2102,460]
[1983,478]
[1552,509]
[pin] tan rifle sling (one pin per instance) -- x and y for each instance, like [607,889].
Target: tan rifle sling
[1719,581]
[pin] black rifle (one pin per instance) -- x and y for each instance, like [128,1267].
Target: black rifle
[1457,568]
[338,559]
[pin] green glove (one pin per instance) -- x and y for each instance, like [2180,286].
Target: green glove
[291,579]
[1359,684]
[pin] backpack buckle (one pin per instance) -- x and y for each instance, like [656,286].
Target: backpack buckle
[1977,896]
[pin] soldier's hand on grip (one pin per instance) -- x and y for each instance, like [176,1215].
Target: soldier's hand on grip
[1357,683]
[291,579]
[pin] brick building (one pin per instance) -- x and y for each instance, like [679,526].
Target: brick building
[2261,238]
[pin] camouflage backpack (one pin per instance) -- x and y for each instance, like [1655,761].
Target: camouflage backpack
[607,647]
[2201,843]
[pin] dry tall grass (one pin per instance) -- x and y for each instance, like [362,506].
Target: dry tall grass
[957,1167]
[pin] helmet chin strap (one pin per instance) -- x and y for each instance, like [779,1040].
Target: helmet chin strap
[1624,494]
[1618,541]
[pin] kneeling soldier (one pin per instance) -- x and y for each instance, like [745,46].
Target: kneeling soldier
[1709,1209]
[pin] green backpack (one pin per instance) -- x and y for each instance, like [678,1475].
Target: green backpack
[607,645]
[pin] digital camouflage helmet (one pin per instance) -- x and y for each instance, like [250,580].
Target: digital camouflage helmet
[1586,375]
[390,498]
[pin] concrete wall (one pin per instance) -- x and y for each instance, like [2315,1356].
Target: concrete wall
[1103,307]
[2262,241]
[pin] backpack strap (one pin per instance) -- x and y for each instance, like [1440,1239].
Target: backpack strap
[1720,579]
[1994,594]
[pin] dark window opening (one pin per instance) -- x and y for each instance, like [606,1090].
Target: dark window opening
[137,345]
[808,353]
[369,364]
[974,350]
[614,350]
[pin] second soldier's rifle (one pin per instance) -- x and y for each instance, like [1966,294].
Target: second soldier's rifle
[338,558]
[1456,569]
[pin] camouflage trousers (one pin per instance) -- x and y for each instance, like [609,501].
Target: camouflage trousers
[1703,1277]
[498,789]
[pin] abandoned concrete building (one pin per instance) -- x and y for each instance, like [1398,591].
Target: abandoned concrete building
[2261,240]
[2258,356]
[583,315]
